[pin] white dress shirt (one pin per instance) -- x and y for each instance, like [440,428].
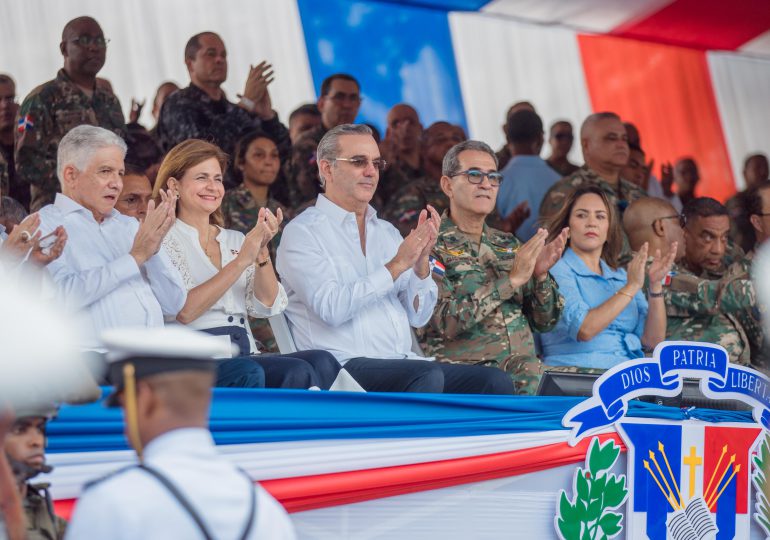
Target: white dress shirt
[96,275]
[342,301]
[133,504]
[183,248]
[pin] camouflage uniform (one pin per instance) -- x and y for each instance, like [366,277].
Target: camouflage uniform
[699,309]
[565,169]
[190,113]
[404,209]
[301,171]
[393,180]
[479,318]
[240,213]
[741,230]
[750,317]
[46,115]
[42,522]
[625,194]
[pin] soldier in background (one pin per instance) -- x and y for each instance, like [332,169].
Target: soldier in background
[339,102]
[697,309]
[401,149]
[202,110]
[136,193]
[403,208]
[8,109]
[493,291]
[302,119]
[24,446]
[604,142]
[54,108]
[560,139]
[755,172]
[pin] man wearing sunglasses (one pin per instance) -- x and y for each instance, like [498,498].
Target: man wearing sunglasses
[697,308]
[493,290]
[560,139]
[356,287]
[54,108]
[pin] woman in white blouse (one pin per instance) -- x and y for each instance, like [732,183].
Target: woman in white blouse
[229,275]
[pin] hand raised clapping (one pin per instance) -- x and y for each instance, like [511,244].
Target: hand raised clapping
[259,236]
[154,228]
[416,247]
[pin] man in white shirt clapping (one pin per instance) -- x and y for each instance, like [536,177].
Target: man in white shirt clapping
[110,269]
[355,286]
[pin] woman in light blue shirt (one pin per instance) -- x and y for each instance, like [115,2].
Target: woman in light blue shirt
[606,318]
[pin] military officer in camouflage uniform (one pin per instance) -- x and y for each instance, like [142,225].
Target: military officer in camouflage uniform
[604,142]
[24,446]
[758,214]
[493,291]
[202,111]
[697,309]
[339,102]
[52,109]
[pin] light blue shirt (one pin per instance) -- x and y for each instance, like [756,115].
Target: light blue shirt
[526,178]
[584,290]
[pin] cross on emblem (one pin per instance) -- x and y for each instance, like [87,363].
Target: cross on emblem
[692,461]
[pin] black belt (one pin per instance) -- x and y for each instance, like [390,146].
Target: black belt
[189,508]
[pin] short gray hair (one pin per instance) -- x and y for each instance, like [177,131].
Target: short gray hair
[329,148]
[451,164]
[79,145]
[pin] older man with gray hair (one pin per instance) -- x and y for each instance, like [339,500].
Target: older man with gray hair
[111,268]
[355,286]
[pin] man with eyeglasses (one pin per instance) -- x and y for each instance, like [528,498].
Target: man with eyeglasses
[54,108]
[355,286]
[338,102]
[560,139]
[494,291]
[202,110]
[527,176]
[697,308]
[136,193]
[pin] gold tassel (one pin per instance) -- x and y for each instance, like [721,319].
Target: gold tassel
[129,404]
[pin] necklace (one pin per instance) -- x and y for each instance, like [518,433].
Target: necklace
[206,247]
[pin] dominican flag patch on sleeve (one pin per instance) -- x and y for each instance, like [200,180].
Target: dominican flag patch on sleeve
[666,281]
[25,123]
[436,266]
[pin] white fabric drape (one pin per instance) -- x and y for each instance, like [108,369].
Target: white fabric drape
[148,39]
[500,62]
[742,86]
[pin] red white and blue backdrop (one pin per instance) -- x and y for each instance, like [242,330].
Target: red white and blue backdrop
[366,466]
[694,75]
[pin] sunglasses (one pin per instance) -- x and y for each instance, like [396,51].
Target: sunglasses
[362,162]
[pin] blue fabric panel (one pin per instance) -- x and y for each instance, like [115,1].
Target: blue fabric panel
[251,416]
[399,53]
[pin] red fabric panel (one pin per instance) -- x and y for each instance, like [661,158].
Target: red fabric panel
[666,91]
[702,24]
[324,490]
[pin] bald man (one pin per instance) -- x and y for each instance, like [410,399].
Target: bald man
[697,309]
[52,109]
[604,142]
[401,149]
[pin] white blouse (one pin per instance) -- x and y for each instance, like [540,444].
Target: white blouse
[183,248]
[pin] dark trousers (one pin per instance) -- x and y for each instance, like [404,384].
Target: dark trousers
[240,372]
[402,375]
[301,369]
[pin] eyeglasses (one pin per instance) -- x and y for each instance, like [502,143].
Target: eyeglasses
[85,41]
[341,97]
[476,177]
[362,162]
[681,217]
